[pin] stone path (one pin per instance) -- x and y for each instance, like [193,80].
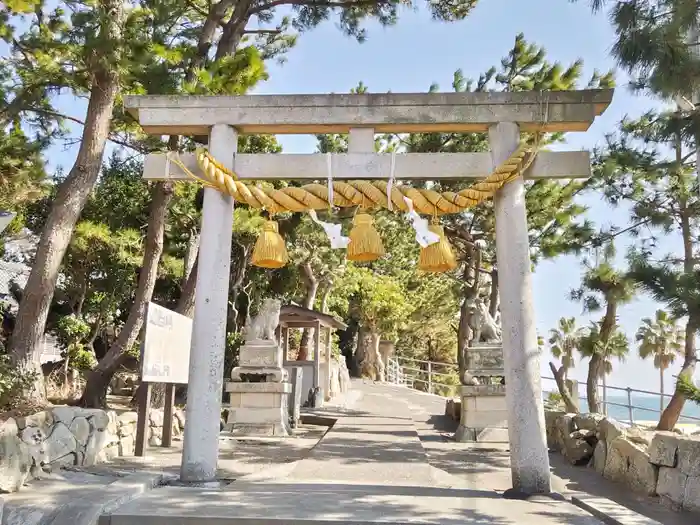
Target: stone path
[371,467]
[387,459]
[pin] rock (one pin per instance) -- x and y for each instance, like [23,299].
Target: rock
[61,445]
[639,436]
[80,428]
[600,454]
[15,460]
[156,418]
[127,418]
[642,476]
[689,456]
[33,436]
[671,487]
[126,446]
[110,452]
[588,421]
[43,419]
[588,435]
[609,429]
[616,462]
[550,418]
[578,451]
[126,430]
[179,415]
[113,424]
[99,419]
[691,498]
[96,443]
[154,441]
[64,414]
[663,449]
[563,427]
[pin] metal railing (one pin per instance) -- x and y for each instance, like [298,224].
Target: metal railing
[429,376]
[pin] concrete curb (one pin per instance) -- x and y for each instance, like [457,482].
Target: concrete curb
[610,512]
[88,511]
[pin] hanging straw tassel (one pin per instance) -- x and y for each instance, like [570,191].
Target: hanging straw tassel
[365,242]
[270,250]
[437,257]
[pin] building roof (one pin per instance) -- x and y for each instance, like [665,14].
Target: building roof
[292,314]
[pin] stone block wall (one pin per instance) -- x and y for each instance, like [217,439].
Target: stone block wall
[663,464]
[68,436]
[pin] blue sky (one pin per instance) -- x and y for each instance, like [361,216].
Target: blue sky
[417,52]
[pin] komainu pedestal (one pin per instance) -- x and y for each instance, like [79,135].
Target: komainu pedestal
[484,414]
[259,392]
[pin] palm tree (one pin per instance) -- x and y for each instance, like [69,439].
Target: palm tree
[564,341]
[662,339]
[603,351]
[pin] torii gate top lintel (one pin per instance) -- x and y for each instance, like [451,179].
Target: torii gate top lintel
[551,111]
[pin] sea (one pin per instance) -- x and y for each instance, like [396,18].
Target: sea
[647,408]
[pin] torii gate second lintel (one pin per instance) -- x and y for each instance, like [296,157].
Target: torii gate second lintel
[503,115]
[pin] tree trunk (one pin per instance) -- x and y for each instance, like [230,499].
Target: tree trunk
[661,387]
[471,291]
[240,259]
[68,204]
[592,383]
[311,285]
[95,395]
[363,343]
[191,255]
[670,415]
[493,296]
[597,363]
[327,289]
[372,365]
[564,389]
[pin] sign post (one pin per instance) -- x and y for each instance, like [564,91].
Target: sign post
[165,357]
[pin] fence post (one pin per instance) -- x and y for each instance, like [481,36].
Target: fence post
[430,377]
[629,405]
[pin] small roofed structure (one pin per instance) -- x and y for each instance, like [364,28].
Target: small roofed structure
[297,317]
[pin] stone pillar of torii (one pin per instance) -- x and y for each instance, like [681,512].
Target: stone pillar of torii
[503,115]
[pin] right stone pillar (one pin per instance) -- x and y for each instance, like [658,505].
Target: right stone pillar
[529,459]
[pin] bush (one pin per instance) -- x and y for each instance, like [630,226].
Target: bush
[13,383]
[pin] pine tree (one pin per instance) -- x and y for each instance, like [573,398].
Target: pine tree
[603,287]
[662,191]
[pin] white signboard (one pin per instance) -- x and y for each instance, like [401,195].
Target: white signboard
[165,357]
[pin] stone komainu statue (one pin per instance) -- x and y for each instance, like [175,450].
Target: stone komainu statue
[263,325]
[484,328]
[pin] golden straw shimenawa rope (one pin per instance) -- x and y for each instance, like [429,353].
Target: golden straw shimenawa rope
[364,193]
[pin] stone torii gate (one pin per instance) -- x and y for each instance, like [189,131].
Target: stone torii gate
[502,115]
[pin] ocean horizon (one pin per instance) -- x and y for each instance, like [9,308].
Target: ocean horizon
[646,408]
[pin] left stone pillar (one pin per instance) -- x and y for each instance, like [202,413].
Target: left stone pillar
[201,440]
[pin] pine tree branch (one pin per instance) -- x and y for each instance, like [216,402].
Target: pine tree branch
[316,3]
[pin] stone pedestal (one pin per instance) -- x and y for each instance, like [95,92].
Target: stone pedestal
[259,392]
[484,414]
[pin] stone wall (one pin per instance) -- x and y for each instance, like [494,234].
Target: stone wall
[68,436]
[663,464]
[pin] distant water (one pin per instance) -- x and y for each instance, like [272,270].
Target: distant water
[651,403]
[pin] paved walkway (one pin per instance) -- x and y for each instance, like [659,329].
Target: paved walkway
[373,466]
[388,458]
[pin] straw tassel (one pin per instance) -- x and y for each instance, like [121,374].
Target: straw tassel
[437,257]
[270,250]
[365,242]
